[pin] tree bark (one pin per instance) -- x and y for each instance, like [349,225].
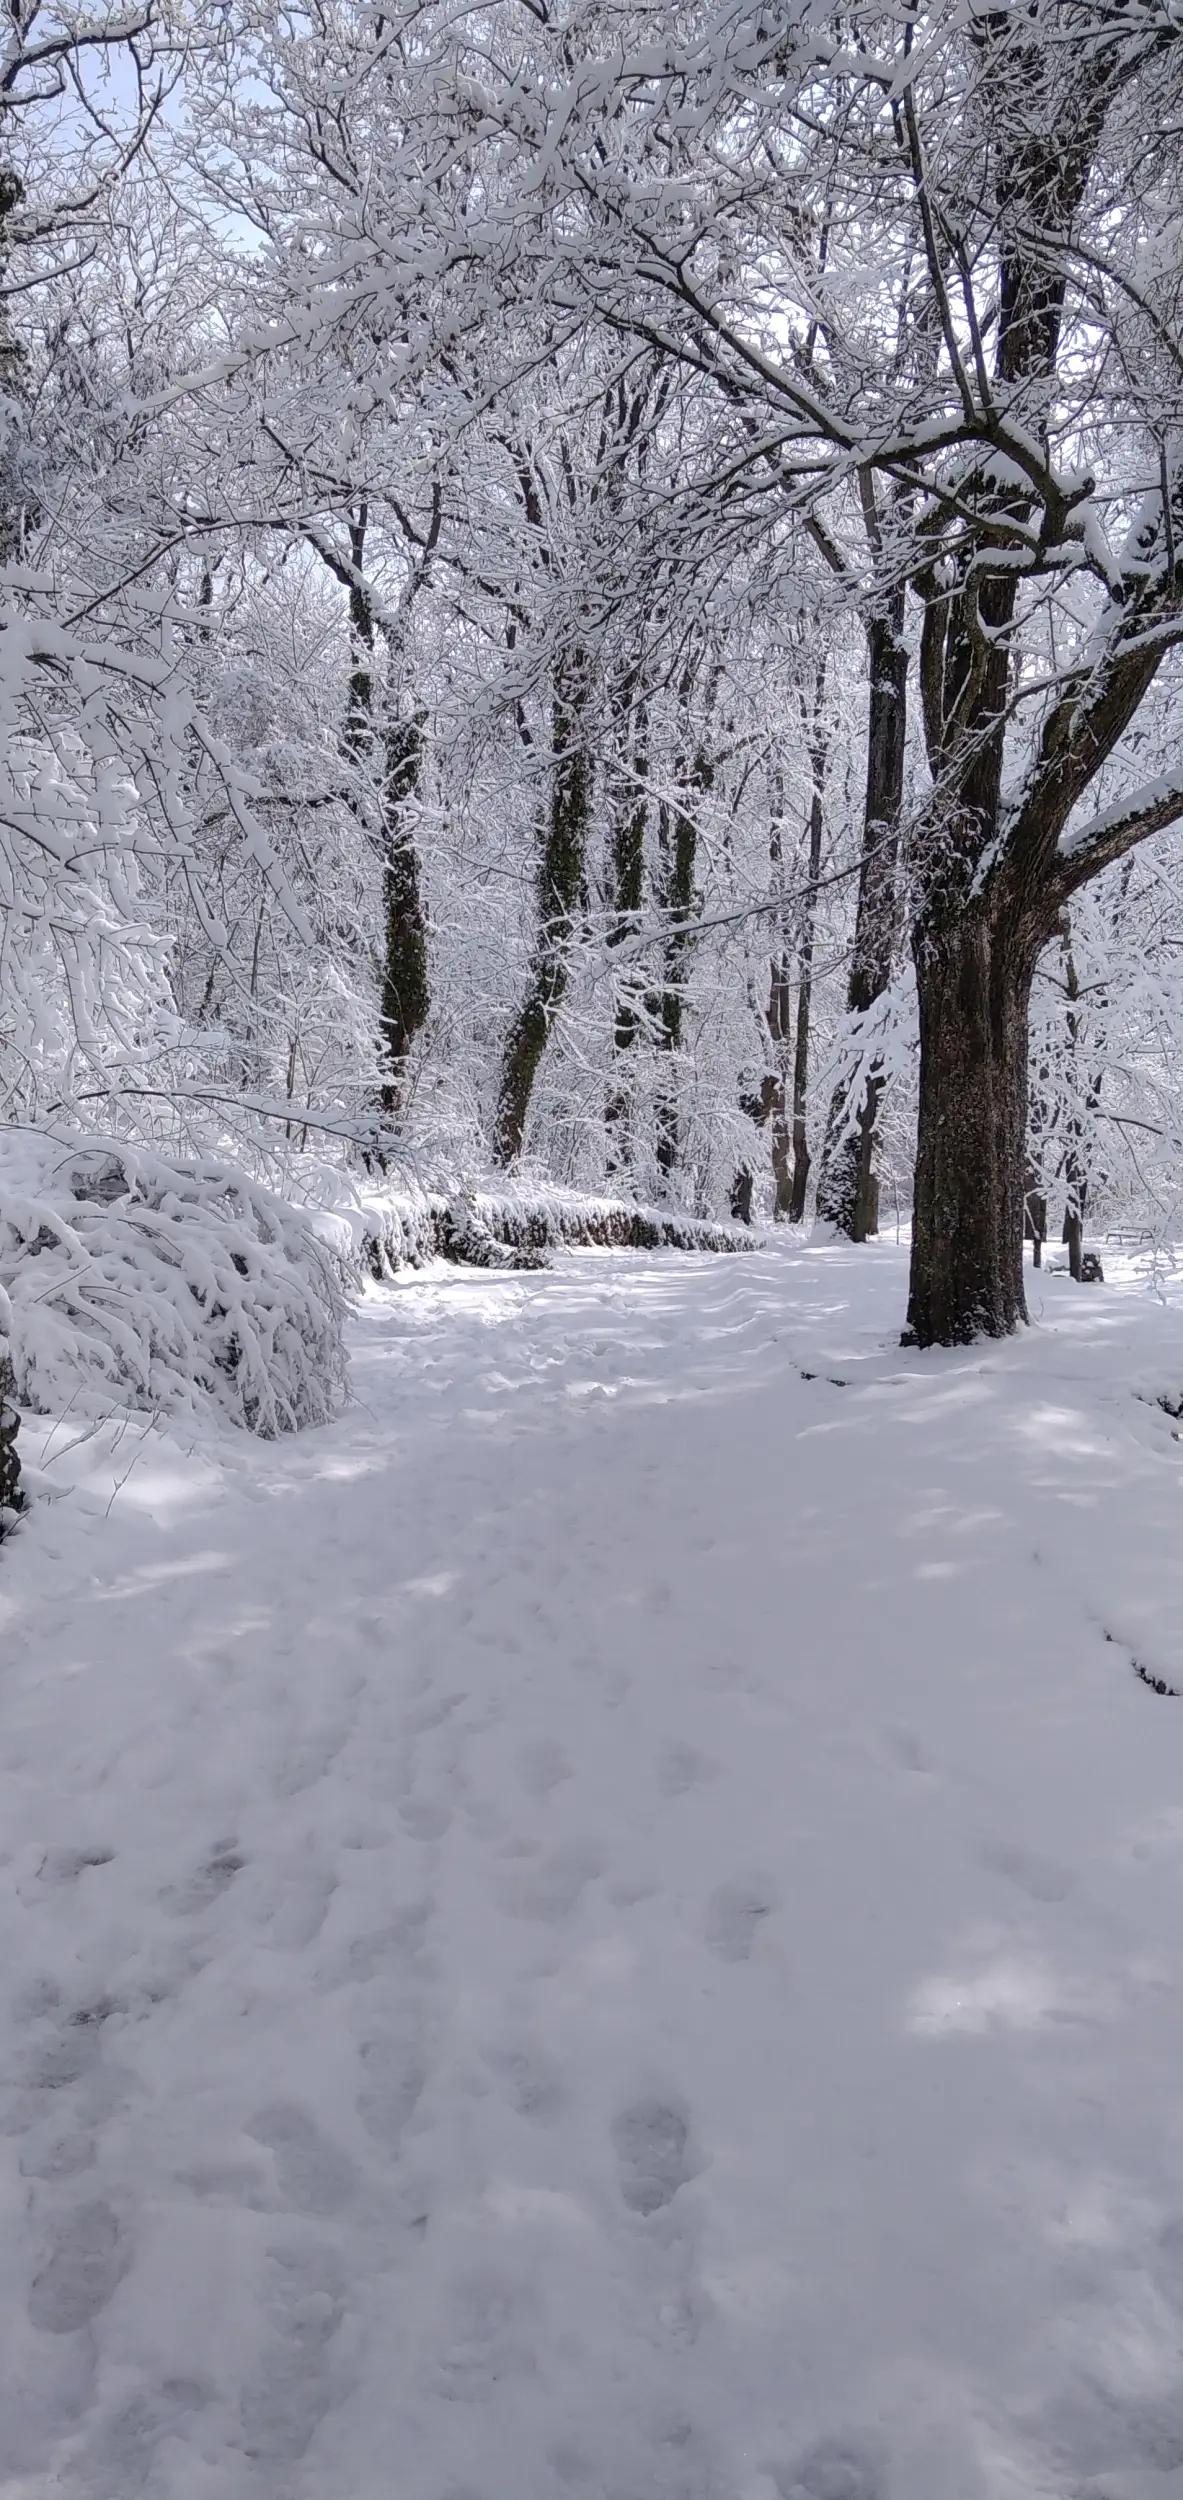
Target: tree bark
[989,890]
[741,1194]
[778,1017]
[406,995]
[395,752]
[560,884]
[1075,1171]
[679,898]
[628,877]
[974,981]
[10,1465]
[847,1196]
[799,1183]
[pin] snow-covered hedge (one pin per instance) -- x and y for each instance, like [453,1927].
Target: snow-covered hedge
[133,1281]
[482,1228]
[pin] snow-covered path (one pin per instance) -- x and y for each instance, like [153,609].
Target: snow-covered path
[609,1926]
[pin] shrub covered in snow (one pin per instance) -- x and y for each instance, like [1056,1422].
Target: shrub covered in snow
[173,1287]
[506,1228]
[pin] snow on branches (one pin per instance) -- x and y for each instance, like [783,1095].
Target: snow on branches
[127,1281]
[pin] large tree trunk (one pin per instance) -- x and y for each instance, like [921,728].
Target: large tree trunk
[847,1194]
[974,981]
[560,884]
[987,897]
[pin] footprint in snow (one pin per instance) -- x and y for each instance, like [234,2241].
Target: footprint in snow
[64,2056]
[682,1767]
[485,2334]
[88,2257]
[310,1759]
[833,2469]
[297,2383]
[125,2449]
[652,2140]
[425,1818]
[1168,2258]
[542,1764]
[301,1892]
[201,1889]
[59,2155]
[907,1750]
[64,1866]
[1040,1878]
[396,1949]
[530,2080]
[553,1888]
[395,2073]
[431,1711]
[312,2174]
[734,1916]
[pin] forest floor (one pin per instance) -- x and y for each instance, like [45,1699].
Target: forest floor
[610,1926]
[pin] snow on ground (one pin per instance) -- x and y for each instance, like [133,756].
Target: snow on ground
[607,1927]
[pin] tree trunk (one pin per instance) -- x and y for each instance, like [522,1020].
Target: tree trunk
[679,900]
[396,755]
[741,1194]
[801,1155]
[799,1183]
[1074,1241]
[784,1141]
[560,884]
[1075,1174]
[778,1018]
[406,995]
[628,877]
[974,982]
[10,1465]
[845,1196]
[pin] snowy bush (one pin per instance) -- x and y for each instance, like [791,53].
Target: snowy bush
[175,1287]
[511,1228]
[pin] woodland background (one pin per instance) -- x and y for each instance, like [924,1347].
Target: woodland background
[556,563]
